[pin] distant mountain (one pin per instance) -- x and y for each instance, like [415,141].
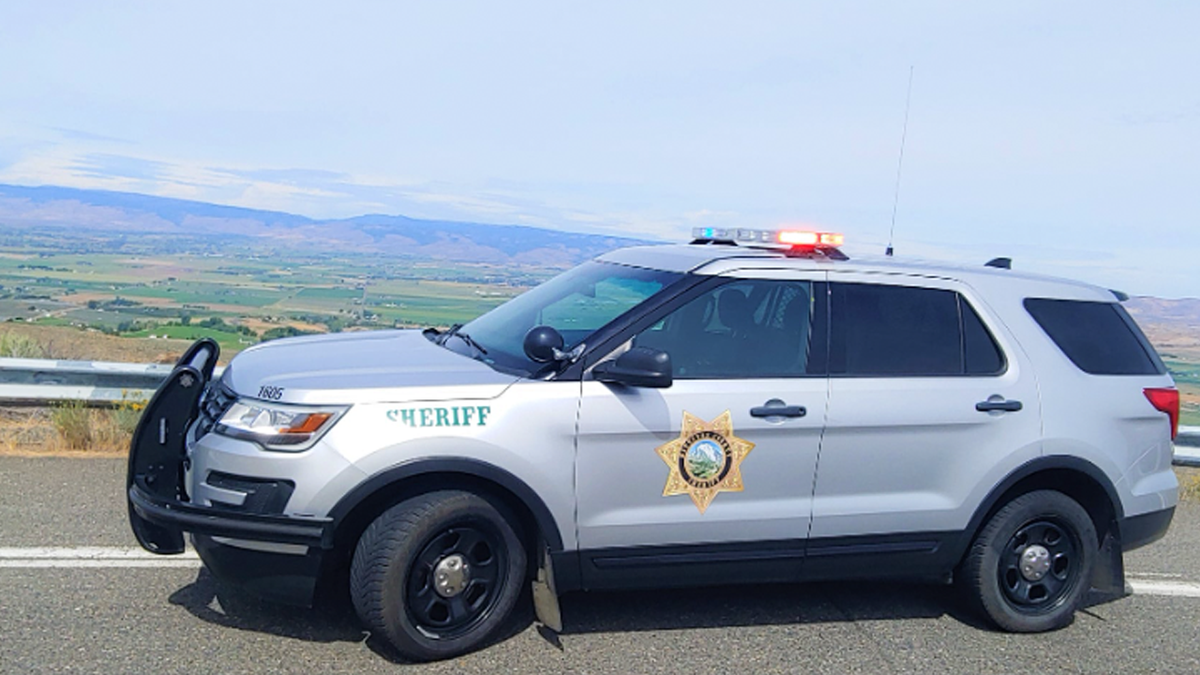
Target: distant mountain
[1182,313]
[101,212]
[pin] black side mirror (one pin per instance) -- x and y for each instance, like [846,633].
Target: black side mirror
[543,344]
[638,367]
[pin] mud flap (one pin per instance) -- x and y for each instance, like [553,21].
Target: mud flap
[1108,577]
[545,595]
[158,450]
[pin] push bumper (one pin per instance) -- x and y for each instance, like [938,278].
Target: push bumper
[267,553]
[159,508]
[173,514]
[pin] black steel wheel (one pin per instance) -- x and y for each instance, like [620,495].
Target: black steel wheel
[1031,565]
[1037,565]
[456,579]
[437,574]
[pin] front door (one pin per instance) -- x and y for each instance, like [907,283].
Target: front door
[710,478]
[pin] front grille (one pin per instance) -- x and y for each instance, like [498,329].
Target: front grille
[216,400]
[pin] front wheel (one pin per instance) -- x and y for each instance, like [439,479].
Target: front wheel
[1031,565]
[437,574]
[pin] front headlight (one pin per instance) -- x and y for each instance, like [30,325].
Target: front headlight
[288,428]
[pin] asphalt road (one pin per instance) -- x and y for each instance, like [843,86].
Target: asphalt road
[106,619]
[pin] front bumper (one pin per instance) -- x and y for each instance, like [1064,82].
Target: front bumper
[159,507]
[248,542]
[289,579]
[206,520]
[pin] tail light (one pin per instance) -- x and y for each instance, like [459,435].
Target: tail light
[1165,399]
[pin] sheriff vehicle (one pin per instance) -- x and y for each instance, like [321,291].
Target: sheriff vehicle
[750,407]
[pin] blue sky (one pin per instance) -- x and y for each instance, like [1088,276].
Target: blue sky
[1064,134]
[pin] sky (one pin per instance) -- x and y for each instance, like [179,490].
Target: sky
[1065,135]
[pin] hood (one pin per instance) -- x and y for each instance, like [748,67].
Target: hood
[360,367]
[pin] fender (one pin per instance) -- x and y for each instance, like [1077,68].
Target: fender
[1034,466]
[458,465]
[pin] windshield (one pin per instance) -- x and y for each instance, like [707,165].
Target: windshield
[576,303]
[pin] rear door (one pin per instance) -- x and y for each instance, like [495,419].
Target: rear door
[930,398]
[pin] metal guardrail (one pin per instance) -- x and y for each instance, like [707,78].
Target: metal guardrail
[1187,446]
[42,382]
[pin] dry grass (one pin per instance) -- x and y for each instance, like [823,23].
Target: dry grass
[73,422]
[69,429]
[1189,484]
[20,346]
[64,342]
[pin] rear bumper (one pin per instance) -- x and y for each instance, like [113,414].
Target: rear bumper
[1145,528]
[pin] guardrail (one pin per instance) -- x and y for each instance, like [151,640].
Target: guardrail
[43,382]
[1187,446]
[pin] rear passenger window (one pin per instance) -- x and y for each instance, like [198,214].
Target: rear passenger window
[1099,337]
[880,330]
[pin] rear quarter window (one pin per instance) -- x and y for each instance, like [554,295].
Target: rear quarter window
[1098,337]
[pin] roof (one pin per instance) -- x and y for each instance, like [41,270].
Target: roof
[723,258]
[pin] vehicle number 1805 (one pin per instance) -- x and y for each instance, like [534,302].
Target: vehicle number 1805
[270,393]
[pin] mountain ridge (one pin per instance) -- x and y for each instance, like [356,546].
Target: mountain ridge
[77,210]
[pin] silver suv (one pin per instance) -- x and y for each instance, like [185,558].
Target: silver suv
[750,407]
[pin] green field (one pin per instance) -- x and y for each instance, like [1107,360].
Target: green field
[1186,374]
[153,290]
[230,342]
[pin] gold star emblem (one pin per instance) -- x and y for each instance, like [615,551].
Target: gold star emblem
[704,460]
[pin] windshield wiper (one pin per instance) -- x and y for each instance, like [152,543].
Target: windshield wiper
[455,332]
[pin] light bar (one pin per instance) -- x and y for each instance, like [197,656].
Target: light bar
[780,237]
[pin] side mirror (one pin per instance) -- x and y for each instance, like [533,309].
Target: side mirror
[543,344]
[638,367]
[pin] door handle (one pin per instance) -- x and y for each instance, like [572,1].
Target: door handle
[998,406]
[778,411]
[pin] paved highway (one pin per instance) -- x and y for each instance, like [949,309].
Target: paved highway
[76,596]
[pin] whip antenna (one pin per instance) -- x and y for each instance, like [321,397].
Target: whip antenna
[900,163]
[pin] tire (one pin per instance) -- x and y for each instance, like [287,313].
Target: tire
[1031,565]
[461,537]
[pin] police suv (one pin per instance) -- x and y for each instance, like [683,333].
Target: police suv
[752,407]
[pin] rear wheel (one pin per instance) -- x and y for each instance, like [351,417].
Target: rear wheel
[437,574]
[1031,565]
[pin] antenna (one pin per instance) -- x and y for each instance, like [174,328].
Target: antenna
[900,164]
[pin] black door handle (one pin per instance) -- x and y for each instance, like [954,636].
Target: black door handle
[778,411]
[991,406]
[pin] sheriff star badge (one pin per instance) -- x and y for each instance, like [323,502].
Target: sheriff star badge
[705,459]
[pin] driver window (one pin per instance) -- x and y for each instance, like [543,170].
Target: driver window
[748,328]
[579,314]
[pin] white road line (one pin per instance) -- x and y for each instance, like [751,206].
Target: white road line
[47,563]
[41,557]
[88,553]
[1152,575]
[1184,589]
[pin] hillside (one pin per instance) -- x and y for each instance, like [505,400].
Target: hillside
[108,219]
